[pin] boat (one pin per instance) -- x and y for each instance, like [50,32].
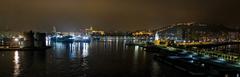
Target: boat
[71,39]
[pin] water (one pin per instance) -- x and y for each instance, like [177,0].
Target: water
[95,59]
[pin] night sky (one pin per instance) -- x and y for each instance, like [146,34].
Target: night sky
[109,15]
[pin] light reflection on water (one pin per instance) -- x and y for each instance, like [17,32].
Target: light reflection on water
[96,59]
[75,50]
[155,69]
[85,49]
[135,58]
[136,51]
[16,64]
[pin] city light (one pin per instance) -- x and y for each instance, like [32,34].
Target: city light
[16,39]
[119,38]
[85,37]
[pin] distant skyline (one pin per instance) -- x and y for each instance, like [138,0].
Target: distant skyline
[110,15]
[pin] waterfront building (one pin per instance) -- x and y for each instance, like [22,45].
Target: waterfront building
[197,32]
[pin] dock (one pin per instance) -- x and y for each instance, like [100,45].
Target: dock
[185,60]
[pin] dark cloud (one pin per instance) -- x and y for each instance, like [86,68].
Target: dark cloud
[122,15]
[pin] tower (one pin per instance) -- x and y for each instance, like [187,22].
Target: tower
[156,39]
[156,36]
[91,28]
[54,29]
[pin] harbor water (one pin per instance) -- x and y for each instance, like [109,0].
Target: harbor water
[108,58]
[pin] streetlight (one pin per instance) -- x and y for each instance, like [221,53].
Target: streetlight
[16,42]
[16,39]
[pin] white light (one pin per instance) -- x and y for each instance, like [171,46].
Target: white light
[191,61]
[221,59]
[20,36]
[184,41]
[72,35]
[190,56]
[85,37]
[194,53]
[226,75]
[16,57]
[16,64]
[156,36]
[16,39]
[72,38]
[85,50]
[202,65]
[58,36]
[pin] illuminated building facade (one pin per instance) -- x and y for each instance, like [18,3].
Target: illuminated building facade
[190,32]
